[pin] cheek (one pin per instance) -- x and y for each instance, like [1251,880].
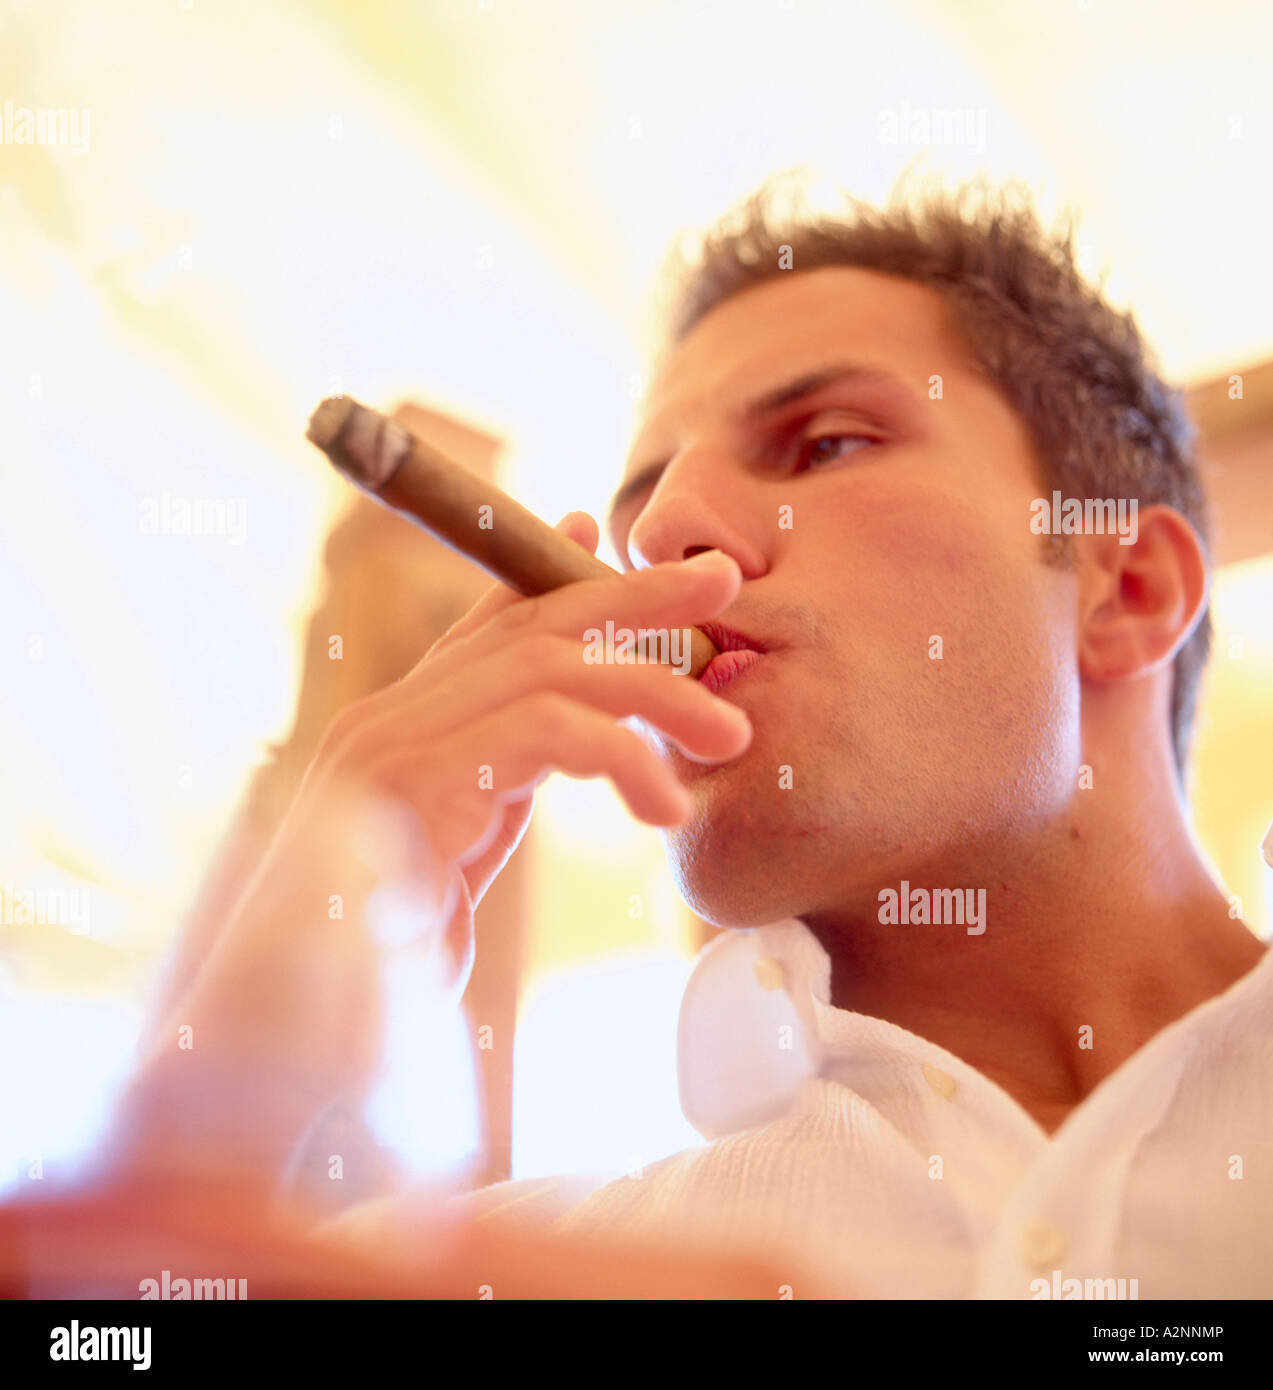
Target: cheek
[951,617]
[918,563]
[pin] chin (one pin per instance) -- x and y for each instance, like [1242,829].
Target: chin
[727,871]
[727,908]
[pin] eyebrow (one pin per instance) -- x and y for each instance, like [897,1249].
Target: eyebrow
[755,411]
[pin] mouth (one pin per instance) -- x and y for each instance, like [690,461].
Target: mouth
[728,639]
[736,653]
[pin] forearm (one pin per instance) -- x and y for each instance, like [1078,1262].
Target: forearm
[282,1020]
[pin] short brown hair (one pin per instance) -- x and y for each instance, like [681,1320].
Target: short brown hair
[1103,422]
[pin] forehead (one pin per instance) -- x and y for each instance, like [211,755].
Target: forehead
[792,323]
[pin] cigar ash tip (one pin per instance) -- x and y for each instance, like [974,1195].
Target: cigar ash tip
[328,420]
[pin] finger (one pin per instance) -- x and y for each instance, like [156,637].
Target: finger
[460,786]
[481,872]
[457,939]
[578,526]
[673,595]
[703,725]
[582,529]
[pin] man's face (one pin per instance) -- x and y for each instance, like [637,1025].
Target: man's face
[916,711]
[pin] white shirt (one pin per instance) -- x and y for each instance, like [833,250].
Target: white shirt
[898,1171]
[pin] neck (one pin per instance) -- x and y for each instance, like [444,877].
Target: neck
[1104,921]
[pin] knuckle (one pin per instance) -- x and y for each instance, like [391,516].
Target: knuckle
[520,615]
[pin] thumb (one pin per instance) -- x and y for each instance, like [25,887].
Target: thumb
[582,529]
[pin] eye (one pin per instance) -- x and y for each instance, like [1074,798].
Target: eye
[823,448]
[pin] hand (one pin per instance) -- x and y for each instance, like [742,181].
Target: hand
[287,1014]
[503,699]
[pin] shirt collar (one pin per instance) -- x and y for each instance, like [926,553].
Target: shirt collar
[748,1036]
[756,1021]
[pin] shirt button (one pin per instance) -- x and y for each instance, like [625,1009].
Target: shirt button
[1042,1245]
[768,972]
[943,1084]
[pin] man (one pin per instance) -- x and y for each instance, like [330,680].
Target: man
[999,1033]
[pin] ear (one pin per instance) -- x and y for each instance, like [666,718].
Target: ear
[1139,602]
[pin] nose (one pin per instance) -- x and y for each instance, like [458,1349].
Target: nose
[681,519]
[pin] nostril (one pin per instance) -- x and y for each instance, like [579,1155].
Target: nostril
[697,550]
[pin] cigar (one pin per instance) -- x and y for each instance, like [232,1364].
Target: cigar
[418,480]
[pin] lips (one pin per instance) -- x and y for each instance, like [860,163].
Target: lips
[736,654]
[726,639]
